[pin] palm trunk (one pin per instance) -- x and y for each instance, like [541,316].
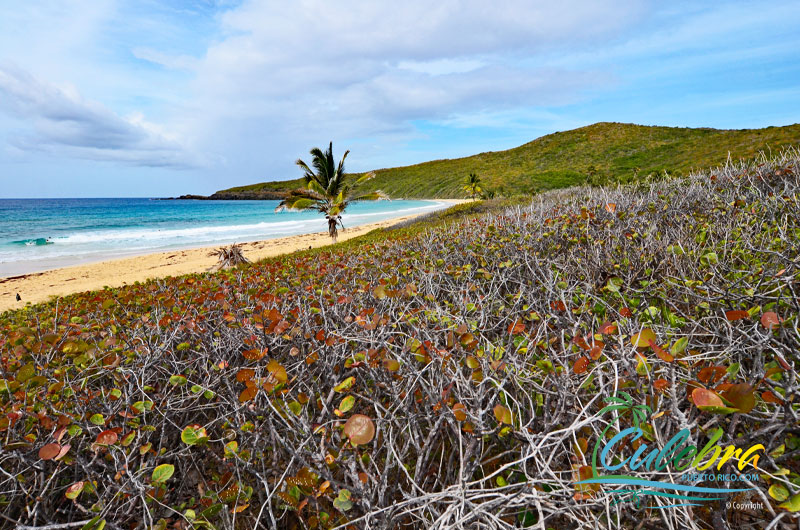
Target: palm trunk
[332,230]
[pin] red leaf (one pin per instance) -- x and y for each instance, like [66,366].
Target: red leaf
[663,354]
[770,397]
[736,315]
[49,451]
[741,395]
[660,384]
[770,320]
[255,354]
[359,429]
[245,374]
[581,365]
[580,343]
[711,374]
[706,398]
[107,438]
[627,313]
[64,450]
[597,350]
[516,328]
[607,328]
[558,305]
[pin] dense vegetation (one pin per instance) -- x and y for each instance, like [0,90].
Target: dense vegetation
[600,153]
[448,374]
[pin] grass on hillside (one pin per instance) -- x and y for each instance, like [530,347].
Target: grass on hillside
[449,374]
[599,153]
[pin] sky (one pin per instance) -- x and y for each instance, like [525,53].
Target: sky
[148,98]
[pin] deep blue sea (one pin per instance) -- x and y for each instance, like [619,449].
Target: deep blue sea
[41,234]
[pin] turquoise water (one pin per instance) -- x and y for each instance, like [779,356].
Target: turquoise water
[41,234]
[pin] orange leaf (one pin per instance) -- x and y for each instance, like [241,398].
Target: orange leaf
[245,374]
[607,328]
[359,429]
[581,365]
[597,350]
[255,354]
[627,313]
[736,315]
[107,437]
[741,395]
[502,414]
[580,342]
[460,411]
[611,207]
[711,374]
[49,451]
[706,398]
[516,328]
[770,397]
[663,354]
[277,371]
[248,394]
[660,384]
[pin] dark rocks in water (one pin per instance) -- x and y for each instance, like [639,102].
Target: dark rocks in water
[263,195]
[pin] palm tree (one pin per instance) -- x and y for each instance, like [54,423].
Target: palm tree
[327,190]
[472,185]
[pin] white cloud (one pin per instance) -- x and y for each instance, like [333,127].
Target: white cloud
[310,71]
[62,123]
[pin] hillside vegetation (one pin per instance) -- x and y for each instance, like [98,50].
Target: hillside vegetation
[599,153]
[449,375]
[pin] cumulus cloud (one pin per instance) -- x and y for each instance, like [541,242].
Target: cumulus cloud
[60,122]
[314,70]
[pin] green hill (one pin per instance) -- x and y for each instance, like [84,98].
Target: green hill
[603,152]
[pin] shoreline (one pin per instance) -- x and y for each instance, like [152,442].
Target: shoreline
[37,287]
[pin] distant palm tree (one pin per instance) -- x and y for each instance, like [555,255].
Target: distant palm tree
[472,186]
[327,190]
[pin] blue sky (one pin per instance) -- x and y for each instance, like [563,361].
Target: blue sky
[102,98]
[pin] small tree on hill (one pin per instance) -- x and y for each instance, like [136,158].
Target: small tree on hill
[472,186]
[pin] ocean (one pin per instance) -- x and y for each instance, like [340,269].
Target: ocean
[42,234]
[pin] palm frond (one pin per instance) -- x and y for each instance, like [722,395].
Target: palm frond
[365,177]
[340,169]
[377,195]
[302,199]
[308,175]
[315,186]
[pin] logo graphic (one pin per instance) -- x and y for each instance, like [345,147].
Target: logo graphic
[675,456]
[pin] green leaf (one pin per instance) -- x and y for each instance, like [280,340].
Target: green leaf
[679,346]
[162,473]
[97,419]
[193,435]
[347,403]
[26,372]
[793,504]
[95,524]
[614,284]
[141,406]
[342,501]
[778,492]
[177,380]
[345,385]
[74,490]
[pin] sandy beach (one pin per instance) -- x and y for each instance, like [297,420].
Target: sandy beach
[41,286]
